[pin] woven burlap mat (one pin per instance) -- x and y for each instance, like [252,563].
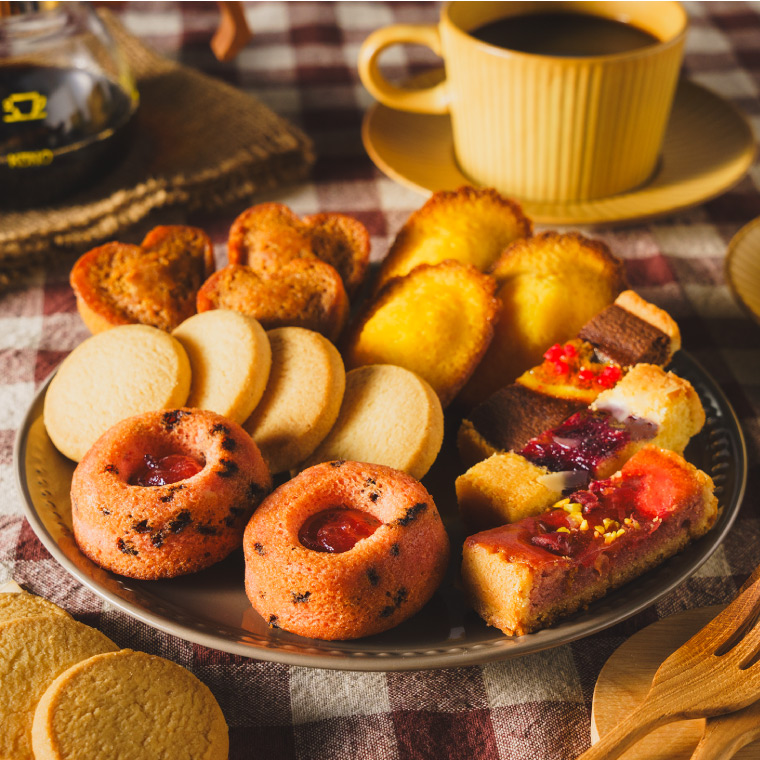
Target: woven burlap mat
[199,143]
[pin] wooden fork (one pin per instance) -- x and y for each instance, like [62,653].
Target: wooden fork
[715,672]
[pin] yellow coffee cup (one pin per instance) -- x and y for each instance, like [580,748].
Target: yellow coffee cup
[546,126]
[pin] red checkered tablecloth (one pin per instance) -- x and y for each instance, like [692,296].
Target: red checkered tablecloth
[301,63]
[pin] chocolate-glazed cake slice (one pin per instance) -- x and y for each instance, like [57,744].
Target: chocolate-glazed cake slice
[508,419]
[626,338]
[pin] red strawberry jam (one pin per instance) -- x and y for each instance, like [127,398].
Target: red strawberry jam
[163,471]
[337,530]
[582,442]
[575,363]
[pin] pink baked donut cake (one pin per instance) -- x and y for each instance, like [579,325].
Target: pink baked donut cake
[166,493]
[344,550]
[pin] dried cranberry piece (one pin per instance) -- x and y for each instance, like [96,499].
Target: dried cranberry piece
[556,543]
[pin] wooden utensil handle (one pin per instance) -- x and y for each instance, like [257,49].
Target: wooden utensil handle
[645,718]
[726,735]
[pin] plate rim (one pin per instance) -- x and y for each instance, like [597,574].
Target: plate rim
[734,245]
[419,659]
[532,208]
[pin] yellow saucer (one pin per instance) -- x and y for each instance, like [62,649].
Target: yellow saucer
[708,147]
[743,266]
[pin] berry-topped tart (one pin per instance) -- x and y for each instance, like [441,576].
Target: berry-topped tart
[523,576]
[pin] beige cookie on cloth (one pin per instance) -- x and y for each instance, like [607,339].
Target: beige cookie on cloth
[17,603]
[34,651]
[230,359]
[389,416]
[111,376]
[131,706]
[302,398]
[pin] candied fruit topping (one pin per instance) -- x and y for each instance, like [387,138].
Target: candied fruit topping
[582,442]
[163,471]
[337,530]
[575,363]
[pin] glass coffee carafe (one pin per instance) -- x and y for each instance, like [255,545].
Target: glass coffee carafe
[67,102]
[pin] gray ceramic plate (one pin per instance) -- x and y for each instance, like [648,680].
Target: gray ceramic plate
[210,608]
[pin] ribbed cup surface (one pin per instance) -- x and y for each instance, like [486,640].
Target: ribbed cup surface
[558,129]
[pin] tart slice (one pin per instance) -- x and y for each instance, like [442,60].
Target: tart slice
[524,576]
[648,406]
[571,375]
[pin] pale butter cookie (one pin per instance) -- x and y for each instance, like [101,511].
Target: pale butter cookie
[302,398]
[33,652]
[111,376]
[20,604]
[230,359]
[389,416]
[132,706]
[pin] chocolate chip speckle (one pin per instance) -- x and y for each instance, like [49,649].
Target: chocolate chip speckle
[126,547]
[395,550]
[105,511]
[397,600]
[172,418]
[227,468]
[273,621]
[229,444]
[111,468]
[170,495]
[206,530]
[259,549]
[338,463]
[373,576]
[301,598]
[220,429]
[180,522]
[412,514]
[373,497]
[141,527]
[255,491]
[157,539]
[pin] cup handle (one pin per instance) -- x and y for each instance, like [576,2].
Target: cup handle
[427,100]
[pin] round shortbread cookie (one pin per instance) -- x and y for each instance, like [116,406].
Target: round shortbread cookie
[113,375]
[302,398]
[389,416]
[132,706]
[230,358]
[23,605]
[34,651]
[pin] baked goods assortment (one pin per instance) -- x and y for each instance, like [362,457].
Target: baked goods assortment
[173,479]
[470,225]
[548,285]
[166,493]
[388,415]
[630,331]
[525,575]
[93,704]
[230,359]
[266,236]
[155,283]
[304,292]
[648,406]
[436,321]
[70,693]
[344,550]
[110,376]
[302,400]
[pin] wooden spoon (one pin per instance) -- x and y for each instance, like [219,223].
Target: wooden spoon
[713,673]
[725,735]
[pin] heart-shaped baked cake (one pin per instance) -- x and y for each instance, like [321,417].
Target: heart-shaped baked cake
[304,292]
[155,283]
[266,236]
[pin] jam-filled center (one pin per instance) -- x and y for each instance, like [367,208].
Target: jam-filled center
[337,530]
[163,471]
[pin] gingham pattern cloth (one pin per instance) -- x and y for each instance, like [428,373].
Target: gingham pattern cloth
[301,63]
